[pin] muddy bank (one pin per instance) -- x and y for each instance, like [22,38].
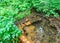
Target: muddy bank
[40,29]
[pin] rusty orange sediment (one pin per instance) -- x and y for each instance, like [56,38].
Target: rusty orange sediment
[24,39]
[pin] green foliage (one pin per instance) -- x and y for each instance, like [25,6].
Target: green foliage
[19,4]
[47,6]
[22,15]
[8,30]
[14,7]
[13,10]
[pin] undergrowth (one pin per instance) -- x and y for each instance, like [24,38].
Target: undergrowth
[47,6]
[13,10]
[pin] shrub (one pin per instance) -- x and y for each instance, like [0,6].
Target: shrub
[11,11]
[47,6]
[8,30]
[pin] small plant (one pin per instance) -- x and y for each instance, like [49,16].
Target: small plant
[8,30]
[11,11]
[47,6]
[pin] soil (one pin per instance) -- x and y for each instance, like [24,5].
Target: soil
[40,29]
